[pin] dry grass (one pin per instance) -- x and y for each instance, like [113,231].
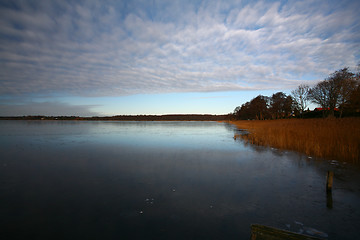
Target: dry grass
[326,138]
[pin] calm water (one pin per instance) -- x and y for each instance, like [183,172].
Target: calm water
[162,180]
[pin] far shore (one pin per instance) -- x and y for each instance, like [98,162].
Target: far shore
[166,117]
[333,139]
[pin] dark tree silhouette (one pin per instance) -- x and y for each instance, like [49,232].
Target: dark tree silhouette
[260,107]
[335,91]
[280,105]
[340,90]
[301,97]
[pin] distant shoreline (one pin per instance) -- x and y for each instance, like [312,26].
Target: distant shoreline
[169,117]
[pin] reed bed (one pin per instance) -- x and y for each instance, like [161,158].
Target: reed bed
[337,139]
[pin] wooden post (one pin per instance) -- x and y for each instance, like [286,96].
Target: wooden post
[329,181]
[329,184]
[329,200]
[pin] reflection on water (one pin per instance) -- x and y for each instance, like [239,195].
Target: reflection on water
[163,180]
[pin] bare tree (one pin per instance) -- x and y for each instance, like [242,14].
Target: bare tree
[346,91]
[319,94]
[352,103]
[301,97]
[334,91]
[342,85]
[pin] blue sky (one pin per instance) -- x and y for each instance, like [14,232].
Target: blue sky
[91,58]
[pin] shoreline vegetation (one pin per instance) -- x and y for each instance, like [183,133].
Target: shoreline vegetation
[328,138]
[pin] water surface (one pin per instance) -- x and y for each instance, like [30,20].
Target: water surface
[163,180]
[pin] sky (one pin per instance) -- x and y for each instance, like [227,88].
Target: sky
[105,58]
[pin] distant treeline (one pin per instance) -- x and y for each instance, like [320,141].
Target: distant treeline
[338,95]
[173,117]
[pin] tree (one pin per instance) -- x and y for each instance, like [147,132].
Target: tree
[236,112]
[352,105]
[335,91]
[347,89]
[288,106]
[280,105]
[342,84]
[257,108]
[243,112]
[301,97]
[259,105]
[319,94]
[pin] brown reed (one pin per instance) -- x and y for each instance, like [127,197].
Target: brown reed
[333,138]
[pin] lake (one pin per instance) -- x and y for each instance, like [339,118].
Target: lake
[163,180]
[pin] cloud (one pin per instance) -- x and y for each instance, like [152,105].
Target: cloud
[109,48]
[46,108]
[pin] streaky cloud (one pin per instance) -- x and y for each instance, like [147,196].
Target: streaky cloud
[111,48]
